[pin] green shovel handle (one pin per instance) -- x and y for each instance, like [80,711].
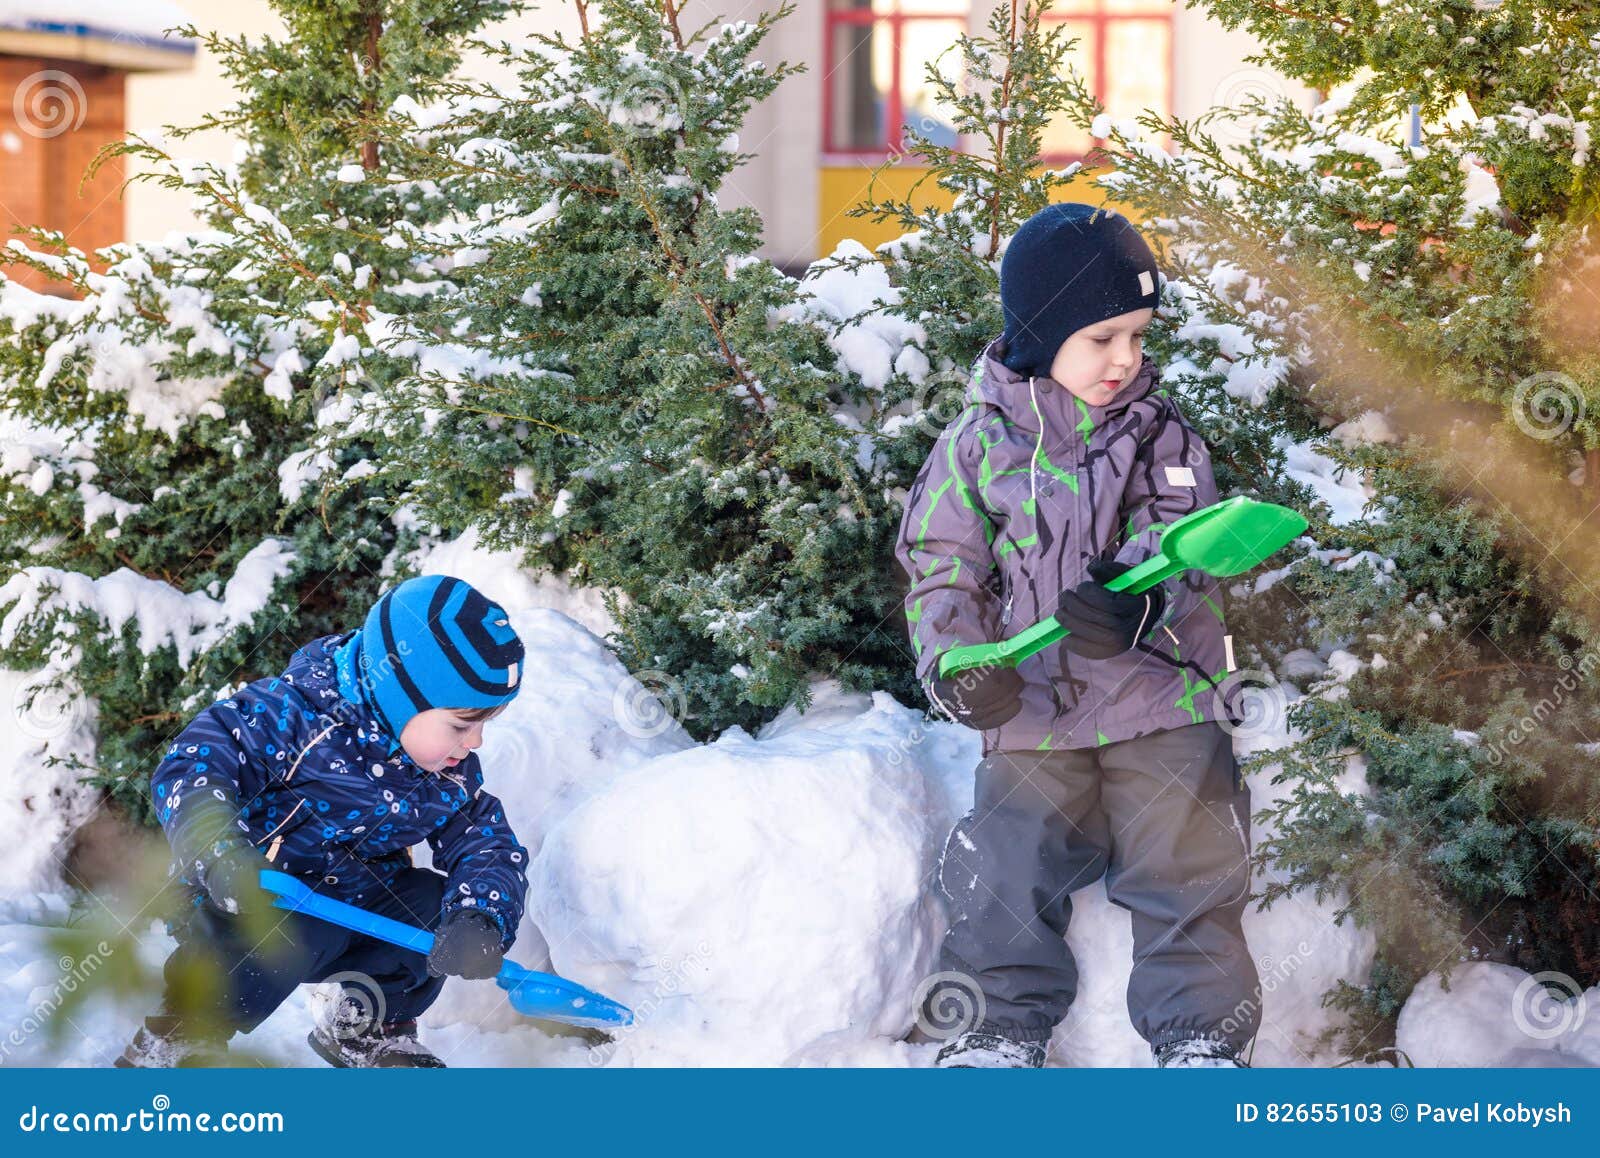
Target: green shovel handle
[1224,539]
[1010,652]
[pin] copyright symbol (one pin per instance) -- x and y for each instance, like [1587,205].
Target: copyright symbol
[1397,1112]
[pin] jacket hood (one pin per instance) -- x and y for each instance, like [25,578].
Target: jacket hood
[312,668]
[1007,390]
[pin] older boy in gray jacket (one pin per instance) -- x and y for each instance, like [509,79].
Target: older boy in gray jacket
[1102,756]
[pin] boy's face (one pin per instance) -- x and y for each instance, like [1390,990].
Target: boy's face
[441,738]
[1098,360]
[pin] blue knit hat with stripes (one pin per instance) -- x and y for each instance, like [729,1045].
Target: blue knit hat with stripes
[433,642]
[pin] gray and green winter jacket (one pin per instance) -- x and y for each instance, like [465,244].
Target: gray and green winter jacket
[1009,511]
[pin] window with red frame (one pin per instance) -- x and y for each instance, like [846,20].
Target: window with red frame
[878,52]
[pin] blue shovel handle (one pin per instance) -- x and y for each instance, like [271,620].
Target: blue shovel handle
[532,993]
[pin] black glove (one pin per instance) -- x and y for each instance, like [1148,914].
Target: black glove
[1106,623]
[233,881]
[981,698]
[468,945]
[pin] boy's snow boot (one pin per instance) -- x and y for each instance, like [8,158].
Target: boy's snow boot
[391,1046]
[160,1043]
[1198,1053]
[980,1050]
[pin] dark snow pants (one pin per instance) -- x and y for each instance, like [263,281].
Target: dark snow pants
[1166,819]
[224,978]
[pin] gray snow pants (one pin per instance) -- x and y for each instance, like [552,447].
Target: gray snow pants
[1166,819]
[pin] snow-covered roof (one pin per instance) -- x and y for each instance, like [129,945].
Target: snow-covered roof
[129,34]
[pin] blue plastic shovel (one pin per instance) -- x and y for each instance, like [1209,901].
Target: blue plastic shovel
[533,994]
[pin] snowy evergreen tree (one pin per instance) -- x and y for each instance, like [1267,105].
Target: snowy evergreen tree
[1003,88]
[647,405]
[1408,292]
[173,522]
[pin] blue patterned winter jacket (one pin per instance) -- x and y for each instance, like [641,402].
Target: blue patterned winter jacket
[290,766]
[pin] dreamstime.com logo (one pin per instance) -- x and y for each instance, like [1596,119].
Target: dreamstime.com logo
[49,103]
[1548,1005]
[1547,405]
[948,1004]
[1567,684]
[160,1118]
[649,703]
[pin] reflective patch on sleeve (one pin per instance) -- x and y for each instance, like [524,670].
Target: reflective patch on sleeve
[1180,476]
[1227,647]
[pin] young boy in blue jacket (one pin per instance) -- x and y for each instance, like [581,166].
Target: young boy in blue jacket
[330,772]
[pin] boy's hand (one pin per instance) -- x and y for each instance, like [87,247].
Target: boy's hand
[468,945]
[233,881]
[1106,623]
[983,698]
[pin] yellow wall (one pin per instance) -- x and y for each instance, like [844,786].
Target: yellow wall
[840,187]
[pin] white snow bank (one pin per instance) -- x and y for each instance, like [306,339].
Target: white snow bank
[761,900]
[772,900]
[40,804]
[500,575]
[1498,1015]
[758,901]
[580,722]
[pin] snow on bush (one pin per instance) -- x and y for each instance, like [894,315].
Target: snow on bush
[42,803]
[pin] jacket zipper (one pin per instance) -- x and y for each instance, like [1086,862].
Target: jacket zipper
[277,841]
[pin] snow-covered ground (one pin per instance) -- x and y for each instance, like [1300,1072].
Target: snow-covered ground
[759,900]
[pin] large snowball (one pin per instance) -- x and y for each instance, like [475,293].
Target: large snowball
[759,901]
[580,721]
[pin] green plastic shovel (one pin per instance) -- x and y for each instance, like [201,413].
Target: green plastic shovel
[1225,539]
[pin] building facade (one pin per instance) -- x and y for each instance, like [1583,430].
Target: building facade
[65,69]
[817,142]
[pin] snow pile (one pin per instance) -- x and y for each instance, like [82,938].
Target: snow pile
[1497,1015]
[500,575]
[42,803]
[759,901]
[580,722]
[772,900]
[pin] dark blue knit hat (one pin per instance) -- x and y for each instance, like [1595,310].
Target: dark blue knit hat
[1068,267]
[433,642]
